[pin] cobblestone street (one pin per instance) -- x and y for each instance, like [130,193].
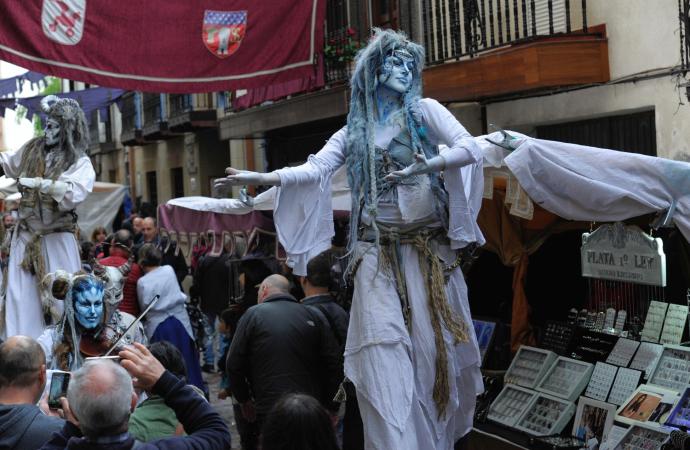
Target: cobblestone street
[224,407]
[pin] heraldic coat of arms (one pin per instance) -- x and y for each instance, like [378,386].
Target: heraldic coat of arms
[223,31]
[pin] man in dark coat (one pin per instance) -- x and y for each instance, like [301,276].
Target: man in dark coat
[281,347]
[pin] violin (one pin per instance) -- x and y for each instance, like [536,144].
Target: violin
[98,344]
[107,340]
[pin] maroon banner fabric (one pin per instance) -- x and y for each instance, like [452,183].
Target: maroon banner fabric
[165,46]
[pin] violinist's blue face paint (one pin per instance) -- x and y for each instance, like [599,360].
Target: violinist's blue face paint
[88,304]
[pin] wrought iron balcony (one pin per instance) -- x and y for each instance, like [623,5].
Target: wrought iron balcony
[192,111]
[338,59]
[480,49]
[155,120]
[454,29]
[131,119]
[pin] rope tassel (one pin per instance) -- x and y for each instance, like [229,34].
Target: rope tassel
[439,309]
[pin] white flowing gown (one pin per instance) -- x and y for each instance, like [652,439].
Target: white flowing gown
[23,311]
[392,369]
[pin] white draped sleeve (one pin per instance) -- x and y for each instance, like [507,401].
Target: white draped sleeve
[79,178]
[10,162]
[303,210]
[463,175]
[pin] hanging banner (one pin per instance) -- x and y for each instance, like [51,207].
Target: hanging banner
[623,253]
[11,86]
[164,46]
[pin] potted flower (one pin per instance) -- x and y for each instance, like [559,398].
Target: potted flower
[339,51]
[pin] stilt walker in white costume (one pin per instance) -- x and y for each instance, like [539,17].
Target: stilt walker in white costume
[54,175]
[411,351]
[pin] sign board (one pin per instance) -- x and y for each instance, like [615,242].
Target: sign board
[623,253]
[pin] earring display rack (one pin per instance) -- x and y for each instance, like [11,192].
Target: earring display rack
[680,416]
[643,438]
[624,385]
[674,324]
[654,321]
[546,416]
[622,352]
[557,337]
[673,368]
[646,358]
[510,404]
[566,378]
[529,366]
[601,381]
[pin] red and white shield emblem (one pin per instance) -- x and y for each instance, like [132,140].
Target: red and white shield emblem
[63,20]
[223,31]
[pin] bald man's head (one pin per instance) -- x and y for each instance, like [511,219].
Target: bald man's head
[272,285]
[21,362]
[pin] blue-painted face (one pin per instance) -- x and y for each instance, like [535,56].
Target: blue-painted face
[88,303]
[396,73]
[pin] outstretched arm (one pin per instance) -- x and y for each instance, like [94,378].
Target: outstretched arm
[328,159]
[237,177]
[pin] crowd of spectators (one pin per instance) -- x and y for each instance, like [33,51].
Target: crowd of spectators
[276,340]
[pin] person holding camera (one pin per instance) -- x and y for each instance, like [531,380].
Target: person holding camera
[101,397]
[22,380]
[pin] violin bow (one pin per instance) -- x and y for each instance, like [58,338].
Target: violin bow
[134,324]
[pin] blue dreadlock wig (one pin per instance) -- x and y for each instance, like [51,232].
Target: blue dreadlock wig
[360,152]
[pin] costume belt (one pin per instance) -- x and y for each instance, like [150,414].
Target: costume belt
[34,261]
[425,240]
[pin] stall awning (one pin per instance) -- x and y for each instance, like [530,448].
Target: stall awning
[163,46]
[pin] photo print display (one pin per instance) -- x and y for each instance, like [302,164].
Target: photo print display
[650,405]
[593,420]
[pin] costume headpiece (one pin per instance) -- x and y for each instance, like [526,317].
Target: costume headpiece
[60,287]
[360,154]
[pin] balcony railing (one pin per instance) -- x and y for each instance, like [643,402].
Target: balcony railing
[336,36]
[456,29]
[180,103]
[130,121]
[131,118]
[152,109]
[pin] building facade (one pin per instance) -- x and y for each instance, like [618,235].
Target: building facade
[606,73]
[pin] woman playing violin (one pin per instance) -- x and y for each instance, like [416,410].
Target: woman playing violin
[90,324]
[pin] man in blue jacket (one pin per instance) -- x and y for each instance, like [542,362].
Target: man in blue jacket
[100,398]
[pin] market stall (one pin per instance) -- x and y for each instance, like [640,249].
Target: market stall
[614,373]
